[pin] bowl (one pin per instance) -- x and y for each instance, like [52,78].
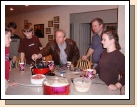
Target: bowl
[54,85]
[37,79]
[39,70]
[82,84]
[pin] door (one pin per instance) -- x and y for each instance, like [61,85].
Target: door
[81,34]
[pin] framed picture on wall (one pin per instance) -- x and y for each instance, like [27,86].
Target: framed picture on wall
[56,19]
[50,23]
[56,27]
[48,30]
[39,30]
[111,26]
[50,37]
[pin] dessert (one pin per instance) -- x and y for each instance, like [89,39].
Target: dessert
[37,79]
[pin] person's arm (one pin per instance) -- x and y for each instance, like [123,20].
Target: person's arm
[22,55]
[89,53]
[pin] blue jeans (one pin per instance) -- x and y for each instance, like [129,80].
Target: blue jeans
[95,64]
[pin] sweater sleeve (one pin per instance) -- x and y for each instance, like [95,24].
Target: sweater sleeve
[122,69]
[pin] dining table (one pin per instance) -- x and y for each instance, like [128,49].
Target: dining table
[25,87]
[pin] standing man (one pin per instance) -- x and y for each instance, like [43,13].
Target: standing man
[29,45]
[14,45]
[96,47]
[62,50]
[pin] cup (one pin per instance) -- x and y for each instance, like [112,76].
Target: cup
[68,64]
[89,74]
[22,66]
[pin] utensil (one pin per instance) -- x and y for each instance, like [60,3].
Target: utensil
[34,64]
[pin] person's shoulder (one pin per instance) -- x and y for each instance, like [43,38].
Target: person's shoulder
[119,53]
[70,41]
[52,42]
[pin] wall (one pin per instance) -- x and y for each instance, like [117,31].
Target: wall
[121,27]
[108,16]
[43,16]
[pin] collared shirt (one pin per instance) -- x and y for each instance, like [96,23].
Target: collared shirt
[63,55]
[97,46]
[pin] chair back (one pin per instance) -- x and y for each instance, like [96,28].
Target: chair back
[83,64]
[47,58]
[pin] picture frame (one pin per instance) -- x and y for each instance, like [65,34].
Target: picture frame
[50,23]
[25,22]
[48,30]
[111,26]
[50,37]
[56,27]
[39,30]
[56,19]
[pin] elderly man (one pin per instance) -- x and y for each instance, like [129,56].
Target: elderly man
[62,50]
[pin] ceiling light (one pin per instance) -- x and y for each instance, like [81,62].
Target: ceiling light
[11,8]
[26,5]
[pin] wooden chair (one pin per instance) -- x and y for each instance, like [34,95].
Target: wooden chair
[83,64]
[18,61]
[47,58]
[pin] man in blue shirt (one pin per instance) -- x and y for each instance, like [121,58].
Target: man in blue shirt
[96,47]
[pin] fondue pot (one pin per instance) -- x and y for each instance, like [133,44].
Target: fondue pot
[54,85]
[40,69]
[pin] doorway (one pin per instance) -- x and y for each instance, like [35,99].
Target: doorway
[83,40]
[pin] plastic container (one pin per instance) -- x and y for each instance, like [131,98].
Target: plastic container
[82,84]
[54,85]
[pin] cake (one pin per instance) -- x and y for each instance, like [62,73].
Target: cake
[37,79]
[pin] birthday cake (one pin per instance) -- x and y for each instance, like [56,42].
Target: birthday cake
[37,79]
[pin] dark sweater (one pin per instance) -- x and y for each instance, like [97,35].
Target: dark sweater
[109,67]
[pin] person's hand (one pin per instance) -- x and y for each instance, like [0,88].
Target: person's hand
[35,57]
[84,57]
[12,83]
[112,87]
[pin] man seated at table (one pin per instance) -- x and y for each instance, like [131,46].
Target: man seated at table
[62,50]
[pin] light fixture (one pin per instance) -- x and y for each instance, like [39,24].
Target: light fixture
[11,8]
[26,5]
